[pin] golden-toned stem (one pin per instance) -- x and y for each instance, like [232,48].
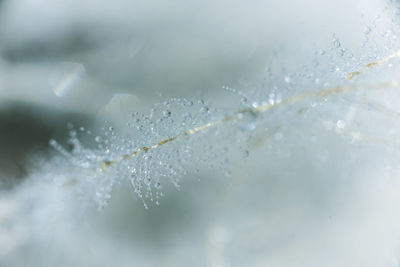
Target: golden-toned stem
[351,75]
[162,142]
[252,110]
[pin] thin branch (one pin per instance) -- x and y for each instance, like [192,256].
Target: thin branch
[351,75]
[254,110]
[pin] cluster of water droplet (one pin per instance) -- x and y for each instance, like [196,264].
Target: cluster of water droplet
[149,151]
[177,135]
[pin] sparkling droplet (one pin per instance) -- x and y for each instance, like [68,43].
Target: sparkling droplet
[255,105]
[167,113]
[271,101]
[340,124]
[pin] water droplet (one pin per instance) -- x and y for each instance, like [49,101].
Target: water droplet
[341,52]
[247,120]
[367,30]
[147,181]
[98,139]
[204,109]
[158,185]
[271,101]
[340,124]
[246,154]
[336,43]
[167,113]
[288,79]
